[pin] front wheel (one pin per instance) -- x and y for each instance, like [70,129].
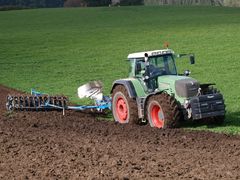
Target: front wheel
[163,111]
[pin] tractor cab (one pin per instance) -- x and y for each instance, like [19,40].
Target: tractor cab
[155,63]
[148,66]
[151,64]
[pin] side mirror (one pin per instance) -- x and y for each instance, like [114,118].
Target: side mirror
[138,67]
[187,73]
[192,59]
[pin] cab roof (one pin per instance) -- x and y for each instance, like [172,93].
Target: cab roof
[150,53]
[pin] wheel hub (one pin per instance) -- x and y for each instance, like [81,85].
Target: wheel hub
[121,108]
[157,116]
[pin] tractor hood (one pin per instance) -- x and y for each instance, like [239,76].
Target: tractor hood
[182,86]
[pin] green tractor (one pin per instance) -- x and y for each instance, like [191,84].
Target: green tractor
[154,92]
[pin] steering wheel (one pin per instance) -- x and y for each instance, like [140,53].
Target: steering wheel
[162,70]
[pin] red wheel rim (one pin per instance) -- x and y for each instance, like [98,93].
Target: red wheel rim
[121,109]
[157,116]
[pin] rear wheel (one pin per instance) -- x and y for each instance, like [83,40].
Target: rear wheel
[124,108]
[163,111]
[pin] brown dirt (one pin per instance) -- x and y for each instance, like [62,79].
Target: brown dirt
[47,145]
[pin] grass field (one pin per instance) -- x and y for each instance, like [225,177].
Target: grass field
[56,50]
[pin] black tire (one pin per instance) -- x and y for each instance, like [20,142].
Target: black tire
[124,108]
[163,111]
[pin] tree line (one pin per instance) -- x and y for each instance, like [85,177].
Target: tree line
[64,3]
[32,3]
[18,4]
[53,3]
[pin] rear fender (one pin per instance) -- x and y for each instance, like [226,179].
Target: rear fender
[128,85]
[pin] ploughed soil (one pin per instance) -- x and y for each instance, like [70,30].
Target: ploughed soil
[48,145]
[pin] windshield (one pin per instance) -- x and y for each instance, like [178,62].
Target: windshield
[165,63]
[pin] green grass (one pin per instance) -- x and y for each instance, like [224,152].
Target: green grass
[57,50]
